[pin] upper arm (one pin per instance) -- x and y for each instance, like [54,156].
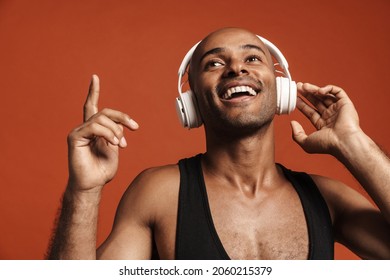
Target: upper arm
[357,223]
[131,236]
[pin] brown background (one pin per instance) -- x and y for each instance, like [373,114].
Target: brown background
[49,50]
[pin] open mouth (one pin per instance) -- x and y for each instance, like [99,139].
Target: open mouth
[239,91]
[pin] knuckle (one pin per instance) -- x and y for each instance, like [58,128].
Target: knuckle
[99,117]
[72,135]
[93,126]
[118,131]
[105,111]
[74,131]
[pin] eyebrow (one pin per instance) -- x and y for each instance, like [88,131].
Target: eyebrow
[249,46]
[220,50]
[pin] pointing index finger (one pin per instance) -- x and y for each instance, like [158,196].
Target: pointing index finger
[91,104]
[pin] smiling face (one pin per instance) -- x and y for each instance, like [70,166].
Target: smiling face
[232,75]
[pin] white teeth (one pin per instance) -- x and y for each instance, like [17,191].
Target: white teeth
[228,94]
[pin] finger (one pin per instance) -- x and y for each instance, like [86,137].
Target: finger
[309,112]
[116,128]
[91,104]
[316,102]
[307,87]
[328,89]
[91,130]
[332,90]
[323,94]
[298,133]
[330,94]
[121,118]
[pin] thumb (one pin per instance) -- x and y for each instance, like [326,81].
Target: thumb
[298,133]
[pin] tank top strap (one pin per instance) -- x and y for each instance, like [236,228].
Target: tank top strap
[319,223]
[196,238]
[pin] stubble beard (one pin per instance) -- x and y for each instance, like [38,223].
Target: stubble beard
[244,123]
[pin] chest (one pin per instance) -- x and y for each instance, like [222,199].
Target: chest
[269,227]
[272,226]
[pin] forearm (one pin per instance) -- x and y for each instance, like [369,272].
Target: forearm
[370,166]
[75,236]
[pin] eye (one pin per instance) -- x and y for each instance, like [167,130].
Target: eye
[254,58]
[213,64]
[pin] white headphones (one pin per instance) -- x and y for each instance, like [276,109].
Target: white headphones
[186,105]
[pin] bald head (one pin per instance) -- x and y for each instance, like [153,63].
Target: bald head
[226,39]
[225,36]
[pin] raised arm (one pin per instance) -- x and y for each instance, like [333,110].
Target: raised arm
[338,133]
[93,151]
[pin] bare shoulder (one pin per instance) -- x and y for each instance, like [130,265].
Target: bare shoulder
[156,178]
[151,190]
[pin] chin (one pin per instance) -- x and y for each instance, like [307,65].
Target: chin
[243,125]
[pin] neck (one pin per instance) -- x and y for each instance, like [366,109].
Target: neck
[245,162]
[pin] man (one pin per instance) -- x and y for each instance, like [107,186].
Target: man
[234,201]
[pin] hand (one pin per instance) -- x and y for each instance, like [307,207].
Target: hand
[332,114]
[94,146]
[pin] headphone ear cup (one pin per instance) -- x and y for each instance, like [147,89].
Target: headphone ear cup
[286,95]
[187,110]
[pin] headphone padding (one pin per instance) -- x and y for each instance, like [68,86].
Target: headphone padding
[286,97]
[187,110]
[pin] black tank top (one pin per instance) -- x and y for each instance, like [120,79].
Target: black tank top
[196,236]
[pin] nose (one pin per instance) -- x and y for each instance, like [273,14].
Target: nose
[236,68]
